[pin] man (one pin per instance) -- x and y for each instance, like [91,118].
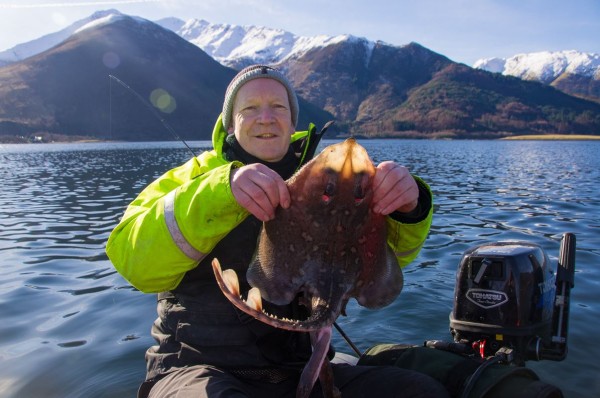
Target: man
[214,206]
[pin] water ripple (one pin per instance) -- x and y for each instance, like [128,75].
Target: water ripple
[62,303]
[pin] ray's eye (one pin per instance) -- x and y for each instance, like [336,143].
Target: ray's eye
[359,189]
[359,196]
[329,192]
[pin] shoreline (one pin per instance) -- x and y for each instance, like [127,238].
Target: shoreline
[557,137]
[531,137]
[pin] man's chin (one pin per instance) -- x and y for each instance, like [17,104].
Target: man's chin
[268,156]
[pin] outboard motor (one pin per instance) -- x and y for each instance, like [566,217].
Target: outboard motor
[509,303]
[509,307]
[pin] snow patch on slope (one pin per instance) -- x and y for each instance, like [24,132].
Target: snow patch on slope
[34,47]
[228,44]
[544,66]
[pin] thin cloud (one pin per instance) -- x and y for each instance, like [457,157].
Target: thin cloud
[77,4]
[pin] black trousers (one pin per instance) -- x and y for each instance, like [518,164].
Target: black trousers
[352,381]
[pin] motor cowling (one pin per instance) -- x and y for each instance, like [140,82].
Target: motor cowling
[505,296]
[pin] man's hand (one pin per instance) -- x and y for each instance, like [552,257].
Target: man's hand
[259,190]
[394,189]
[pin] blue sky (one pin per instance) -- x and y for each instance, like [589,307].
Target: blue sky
[463,30]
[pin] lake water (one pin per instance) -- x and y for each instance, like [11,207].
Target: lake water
[72,327]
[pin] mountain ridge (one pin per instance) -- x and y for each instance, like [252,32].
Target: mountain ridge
[544,66]
[371,89]
[574,72]
[236,46]
[45,42]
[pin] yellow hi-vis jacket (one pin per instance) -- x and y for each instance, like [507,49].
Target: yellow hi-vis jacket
[179,218]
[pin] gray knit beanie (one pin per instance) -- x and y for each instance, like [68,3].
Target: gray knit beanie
[251,73]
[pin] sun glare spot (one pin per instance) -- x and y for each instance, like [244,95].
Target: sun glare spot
[111,60]
[163,100]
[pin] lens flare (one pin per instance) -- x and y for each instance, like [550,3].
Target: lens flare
[111,60]
[163,100]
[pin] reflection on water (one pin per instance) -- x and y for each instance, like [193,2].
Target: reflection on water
[72,327]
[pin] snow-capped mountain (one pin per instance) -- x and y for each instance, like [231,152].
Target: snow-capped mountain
[34,47]
[65,90]
[544,66]
[370,88]
[574,72]
[231,45]
[238,46]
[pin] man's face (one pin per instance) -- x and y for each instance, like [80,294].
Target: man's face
[262,120]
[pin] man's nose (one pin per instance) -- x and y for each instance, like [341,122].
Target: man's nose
[266,114]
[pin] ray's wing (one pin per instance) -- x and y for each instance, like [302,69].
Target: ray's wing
[277,268]
[382,284]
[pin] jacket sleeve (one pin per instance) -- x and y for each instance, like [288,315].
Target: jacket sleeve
[173,224]
[407,238]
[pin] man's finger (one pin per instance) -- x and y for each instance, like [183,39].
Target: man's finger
[395,189]
[259,190]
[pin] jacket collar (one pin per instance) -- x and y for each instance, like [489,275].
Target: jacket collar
[304,142]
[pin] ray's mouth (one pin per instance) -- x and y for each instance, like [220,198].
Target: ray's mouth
[315,318]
